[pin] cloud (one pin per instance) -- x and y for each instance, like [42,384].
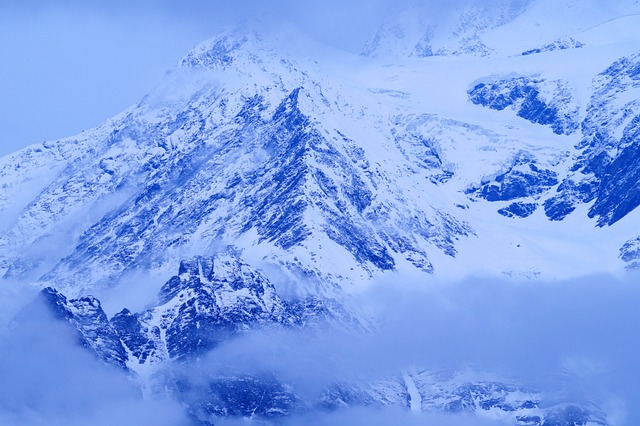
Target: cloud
[48,379]
[577,339]
[375,417]
[70,64]
[13,297]
[332,20]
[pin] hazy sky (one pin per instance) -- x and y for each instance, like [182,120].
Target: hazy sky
[70,64]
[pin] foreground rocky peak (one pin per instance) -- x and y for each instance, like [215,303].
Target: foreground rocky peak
[210,301]
[89,321]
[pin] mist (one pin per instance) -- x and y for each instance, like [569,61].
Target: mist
[69,65]
[374,417]
[49,379]
[578,339]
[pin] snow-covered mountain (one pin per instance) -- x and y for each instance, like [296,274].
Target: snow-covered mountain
[285,177]
[335,168]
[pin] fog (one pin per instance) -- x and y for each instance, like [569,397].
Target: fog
[578,339]
[69,65]
[48,379]
[374,417]
[484,320]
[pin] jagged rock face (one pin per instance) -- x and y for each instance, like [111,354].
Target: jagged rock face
[523,179]
[209,302]
[241,396]
[574,415]
[142,341]
[266,396]
[630,253]
[451,393]
[86,316]
[523,95]
[518,210]
[389,392]
[559,207]
[202,309]
[606,169]
[603,173]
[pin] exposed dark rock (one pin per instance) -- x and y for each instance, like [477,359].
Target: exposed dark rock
[522,94]
[86,316]
[522,179]
[560,44]
[518,210]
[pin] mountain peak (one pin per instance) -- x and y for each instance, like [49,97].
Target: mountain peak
[332,173]
[253,40]
[220,51]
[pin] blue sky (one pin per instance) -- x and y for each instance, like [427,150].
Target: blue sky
[70,64]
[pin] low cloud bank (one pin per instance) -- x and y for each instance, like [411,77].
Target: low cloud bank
[374,417]
[48,380]
[574,341]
